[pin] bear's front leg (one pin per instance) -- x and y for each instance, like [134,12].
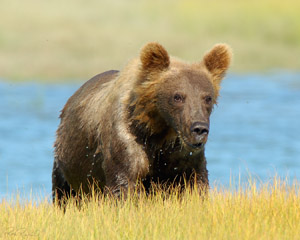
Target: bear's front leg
[119,185]
[201,178]
[125,164]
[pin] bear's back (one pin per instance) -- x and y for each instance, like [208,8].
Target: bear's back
[95,84]
[98,80]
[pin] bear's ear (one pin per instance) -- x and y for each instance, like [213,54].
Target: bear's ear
[217,61]
[154,57]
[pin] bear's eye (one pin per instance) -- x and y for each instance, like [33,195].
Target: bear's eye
[208,99]
[178,98]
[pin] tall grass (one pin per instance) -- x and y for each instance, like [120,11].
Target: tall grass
[265,211]
[67,39]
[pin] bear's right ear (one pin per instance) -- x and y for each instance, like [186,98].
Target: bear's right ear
[154,57]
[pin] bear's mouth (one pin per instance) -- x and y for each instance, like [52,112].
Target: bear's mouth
[197,145]
[194,146]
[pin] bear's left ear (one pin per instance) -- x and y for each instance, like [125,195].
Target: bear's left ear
[154,57]
[217,61]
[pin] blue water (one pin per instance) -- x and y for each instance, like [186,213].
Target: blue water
[255,129]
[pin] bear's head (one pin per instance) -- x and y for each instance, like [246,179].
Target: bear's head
[173,99]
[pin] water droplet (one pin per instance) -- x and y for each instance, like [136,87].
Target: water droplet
[150,165]
[165,164]
[94,155]
[191,153]
[160,150]
[93,163]
[175,168]
[153,156]
[87,147]
[87,155]
[90,171]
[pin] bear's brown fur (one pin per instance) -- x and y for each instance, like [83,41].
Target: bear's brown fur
[149,122]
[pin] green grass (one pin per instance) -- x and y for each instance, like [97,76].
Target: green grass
[74,40]
[266,211]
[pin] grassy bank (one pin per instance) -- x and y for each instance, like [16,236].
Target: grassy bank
[55,40]
[270,211]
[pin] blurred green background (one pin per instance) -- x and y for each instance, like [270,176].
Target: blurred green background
[56,40]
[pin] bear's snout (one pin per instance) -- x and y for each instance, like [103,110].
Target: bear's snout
[199,131]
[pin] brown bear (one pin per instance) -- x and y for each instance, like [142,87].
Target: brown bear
[148,123]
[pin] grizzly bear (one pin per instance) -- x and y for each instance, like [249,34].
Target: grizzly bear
[148,123]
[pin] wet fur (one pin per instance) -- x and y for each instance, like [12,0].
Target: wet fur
[113,133]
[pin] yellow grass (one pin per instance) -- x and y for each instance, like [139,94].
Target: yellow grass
[268,211]
[76,39]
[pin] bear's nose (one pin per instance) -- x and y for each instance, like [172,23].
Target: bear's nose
[199,129]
